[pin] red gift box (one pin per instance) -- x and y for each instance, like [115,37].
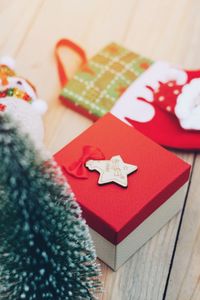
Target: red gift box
[117,215]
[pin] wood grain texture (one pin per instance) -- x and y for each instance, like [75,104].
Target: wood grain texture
[14,27]
[184,281]
[167,29]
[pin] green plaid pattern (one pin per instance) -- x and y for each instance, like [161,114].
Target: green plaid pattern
[99,83]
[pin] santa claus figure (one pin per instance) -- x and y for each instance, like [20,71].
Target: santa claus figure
[18,98]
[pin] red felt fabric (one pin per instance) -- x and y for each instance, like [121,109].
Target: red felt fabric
[165,128]
[111,210]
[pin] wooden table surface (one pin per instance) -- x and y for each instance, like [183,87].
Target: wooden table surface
[168,266]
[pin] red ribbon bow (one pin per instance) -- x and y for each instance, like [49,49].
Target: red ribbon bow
[77,168]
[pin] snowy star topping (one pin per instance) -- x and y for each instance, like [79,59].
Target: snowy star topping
[187,108]
[113,170]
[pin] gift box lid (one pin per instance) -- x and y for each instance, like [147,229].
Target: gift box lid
[112,210]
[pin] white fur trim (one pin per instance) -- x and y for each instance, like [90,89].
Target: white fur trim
[179,76]
[28,118]
[40,105]
[8,61]
[187,108]
[164,72]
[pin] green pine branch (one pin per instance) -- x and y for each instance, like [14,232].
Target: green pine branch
[45,248]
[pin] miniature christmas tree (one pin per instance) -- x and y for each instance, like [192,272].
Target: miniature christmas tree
[45,247]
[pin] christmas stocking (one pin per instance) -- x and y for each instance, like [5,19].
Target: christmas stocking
[164,104]
[18,98]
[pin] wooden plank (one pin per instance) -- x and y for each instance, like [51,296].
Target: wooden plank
[83,24]
[16,18]
[144,275]
[184,276]
[184,281]
[149,27]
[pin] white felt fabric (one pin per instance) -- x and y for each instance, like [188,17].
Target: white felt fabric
[136,109]
[187,108]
